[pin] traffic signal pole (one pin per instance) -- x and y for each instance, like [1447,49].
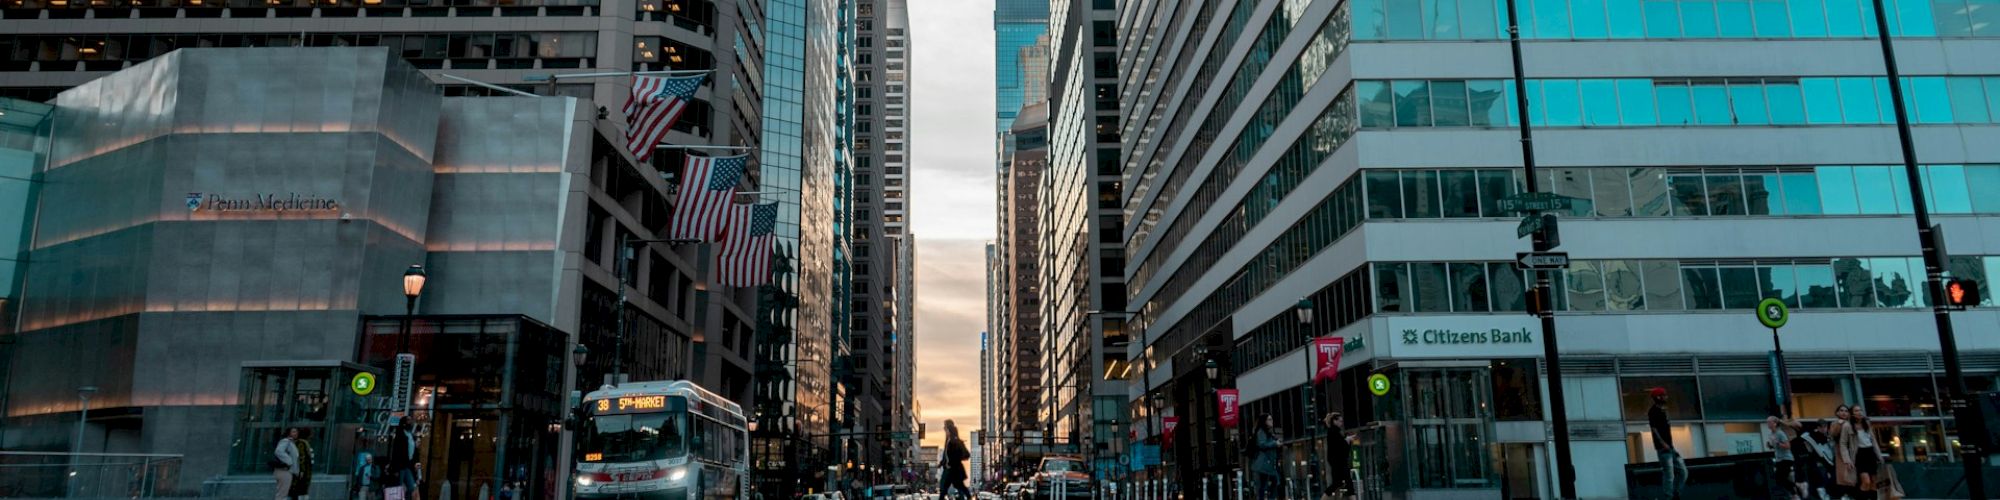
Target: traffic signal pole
[1542,305]
[1969,422]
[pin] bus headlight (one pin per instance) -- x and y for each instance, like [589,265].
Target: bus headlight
[583,480]
[677,474]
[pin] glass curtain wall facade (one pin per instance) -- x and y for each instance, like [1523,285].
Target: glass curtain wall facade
[1258,177]
[24,146]
[1082,268]
[1017,24]
[796,390]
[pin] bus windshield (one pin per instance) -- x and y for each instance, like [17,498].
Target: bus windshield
[635,437]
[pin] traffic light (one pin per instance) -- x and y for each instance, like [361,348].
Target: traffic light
[1961,292]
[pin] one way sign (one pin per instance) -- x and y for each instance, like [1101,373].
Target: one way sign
[1539,261]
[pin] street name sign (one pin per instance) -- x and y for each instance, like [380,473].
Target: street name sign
[1535,202]
[1541,261]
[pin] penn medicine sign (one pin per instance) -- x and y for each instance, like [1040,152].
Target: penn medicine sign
[267,202]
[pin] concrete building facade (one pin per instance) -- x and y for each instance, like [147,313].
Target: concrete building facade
[1353,154]
[223,230]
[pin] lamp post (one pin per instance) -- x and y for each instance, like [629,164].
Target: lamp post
[406,362]
[76,447]
[565,452]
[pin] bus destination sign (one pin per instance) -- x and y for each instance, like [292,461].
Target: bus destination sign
[630,404]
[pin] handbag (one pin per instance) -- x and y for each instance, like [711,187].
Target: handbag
[276,464]
[392,493]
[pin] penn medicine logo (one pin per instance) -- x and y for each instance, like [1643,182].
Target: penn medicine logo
[270,202]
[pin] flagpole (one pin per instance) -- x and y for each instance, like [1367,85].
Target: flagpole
[552,77]
[489,85]
[698,146]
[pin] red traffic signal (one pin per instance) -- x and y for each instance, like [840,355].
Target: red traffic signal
[1961,292]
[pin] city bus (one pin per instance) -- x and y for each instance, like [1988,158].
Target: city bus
[661,440]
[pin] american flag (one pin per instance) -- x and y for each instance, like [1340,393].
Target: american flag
[746,245]
[651,109]
[703,203]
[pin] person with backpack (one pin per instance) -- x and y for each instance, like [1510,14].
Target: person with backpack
[1784,484]
[952,472]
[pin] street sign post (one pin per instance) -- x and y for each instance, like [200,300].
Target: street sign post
[1540,261]
[1773,314]
[1536,202]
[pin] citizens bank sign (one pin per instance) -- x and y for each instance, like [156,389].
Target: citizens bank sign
[1461,337]
[269,202]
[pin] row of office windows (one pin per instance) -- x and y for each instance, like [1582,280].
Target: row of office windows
[1336,215]
[1683,192]
[1328,131]
[1210,64]
[1233,93]
[1956,188]
[1670,285]
[429,50]
[1607,285]
[257,9]
[1669,102]
[1670,19]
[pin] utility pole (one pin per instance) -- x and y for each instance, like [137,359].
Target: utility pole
[1969,421]
[1542,305]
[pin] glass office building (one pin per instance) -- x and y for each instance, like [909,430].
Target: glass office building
[1353,154]
[1016,25]
[796,399]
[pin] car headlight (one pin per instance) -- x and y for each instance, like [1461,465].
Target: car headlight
[677,474]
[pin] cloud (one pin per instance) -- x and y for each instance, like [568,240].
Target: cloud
[951,313]
[951,127]
[952,199]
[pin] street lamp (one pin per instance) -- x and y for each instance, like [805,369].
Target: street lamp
[413,286]
[1304,311]
[1212,368]
[76,448]
[579,354]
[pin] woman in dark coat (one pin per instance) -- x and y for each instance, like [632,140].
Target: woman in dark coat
[952,472]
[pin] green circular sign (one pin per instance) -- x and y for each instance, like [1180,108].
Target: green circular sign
[1772,313]
[363,383]
[1378,384]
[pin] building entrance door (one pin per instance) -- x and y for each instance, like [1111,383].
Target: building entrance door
[1450,417]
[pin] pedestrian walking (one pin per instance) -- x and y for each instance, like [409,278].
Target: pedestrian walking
[1339,466]
[952,472]
[403,466]
[1265,465]
[1874,477]
[1673,470]
[1784,465]
[1846,448]
[1814,457]
[303,475]
[285,462]
[366,473]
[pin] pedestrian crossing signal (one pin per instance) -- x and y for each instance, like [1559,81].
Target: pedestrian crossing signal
[1961,292]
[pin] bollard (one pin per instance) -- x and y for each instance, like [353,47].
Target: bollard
[1239,483]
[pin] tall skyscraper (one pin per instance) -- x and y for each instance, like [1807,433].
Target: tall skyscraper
[1016,26]
[1082,268]
[883,321]
[1015,273]
[1356,154]
[799,398]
